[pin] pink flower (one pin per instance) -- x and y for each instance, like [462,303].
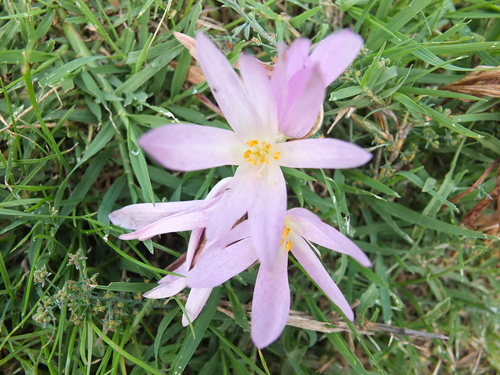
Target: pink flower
[271,299]
[262,113]
[148,220]
[297,87]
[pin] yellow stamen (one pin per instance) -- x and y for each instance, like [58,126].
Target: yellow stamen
[284,239]
[260,152]
[253,143]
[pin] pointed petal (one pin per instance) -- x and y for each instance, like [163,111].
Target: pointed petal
[267,215]
[234,203]
[271,302]
[137,216]
[188,147]
[310,227]
[166,290]
[216,267]
[195,303]
[259,91]
[335,53]
[308,259]
[169,285]
[192,219]
[226,86]
[326,153]
[305,97]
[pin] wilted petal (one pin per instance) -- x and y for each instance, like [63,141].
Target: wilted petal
[309,226]
[267,215]
[326,153]
[188,147]
[308,259]
[195,303]
[259,91]
[226,86]
[137,216]
[216,267]
[305,97]
[271,302]
[335,53]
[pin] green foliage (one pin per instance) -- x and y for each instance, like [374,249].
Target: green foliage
[82,80]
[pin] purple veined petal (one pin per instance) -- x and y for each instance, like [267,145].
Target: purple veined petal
[188,147]
[196,301]
[227,87]
[189,220]
[305,97]
[215,267]
[309,226]
[259,92]
[169,285]
[271,302]
[308,259]
[335,53]
[325,153]
[297,56]
[137,216]
[267,215]
[234,203]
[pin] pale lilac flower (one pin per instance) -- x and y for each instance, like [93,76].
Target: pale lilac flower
[151,219]
[271,299]
[254,105]
[297,87]
[148,220]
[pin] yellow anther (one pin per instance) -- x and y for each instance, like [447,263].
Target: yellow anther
[286,232]
[253,143]
[288,246]
[260,152]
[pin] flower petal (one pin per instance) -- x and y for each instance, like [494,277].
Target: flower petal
[310,227]
[305,97]
[188,147]
[267,215]
[217,266]
[308,259]
[169,285]
[189,220]
[297,55]
[322,153]
[137,216]
[234,203]
[195,303]
[335,53]
[259,91]
[271,302]
[226,86]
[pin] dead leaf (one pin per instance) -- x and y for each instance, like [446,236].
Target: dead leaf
[478,83]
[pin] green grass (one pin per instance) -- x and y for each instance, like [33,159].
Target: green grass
[82,80]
